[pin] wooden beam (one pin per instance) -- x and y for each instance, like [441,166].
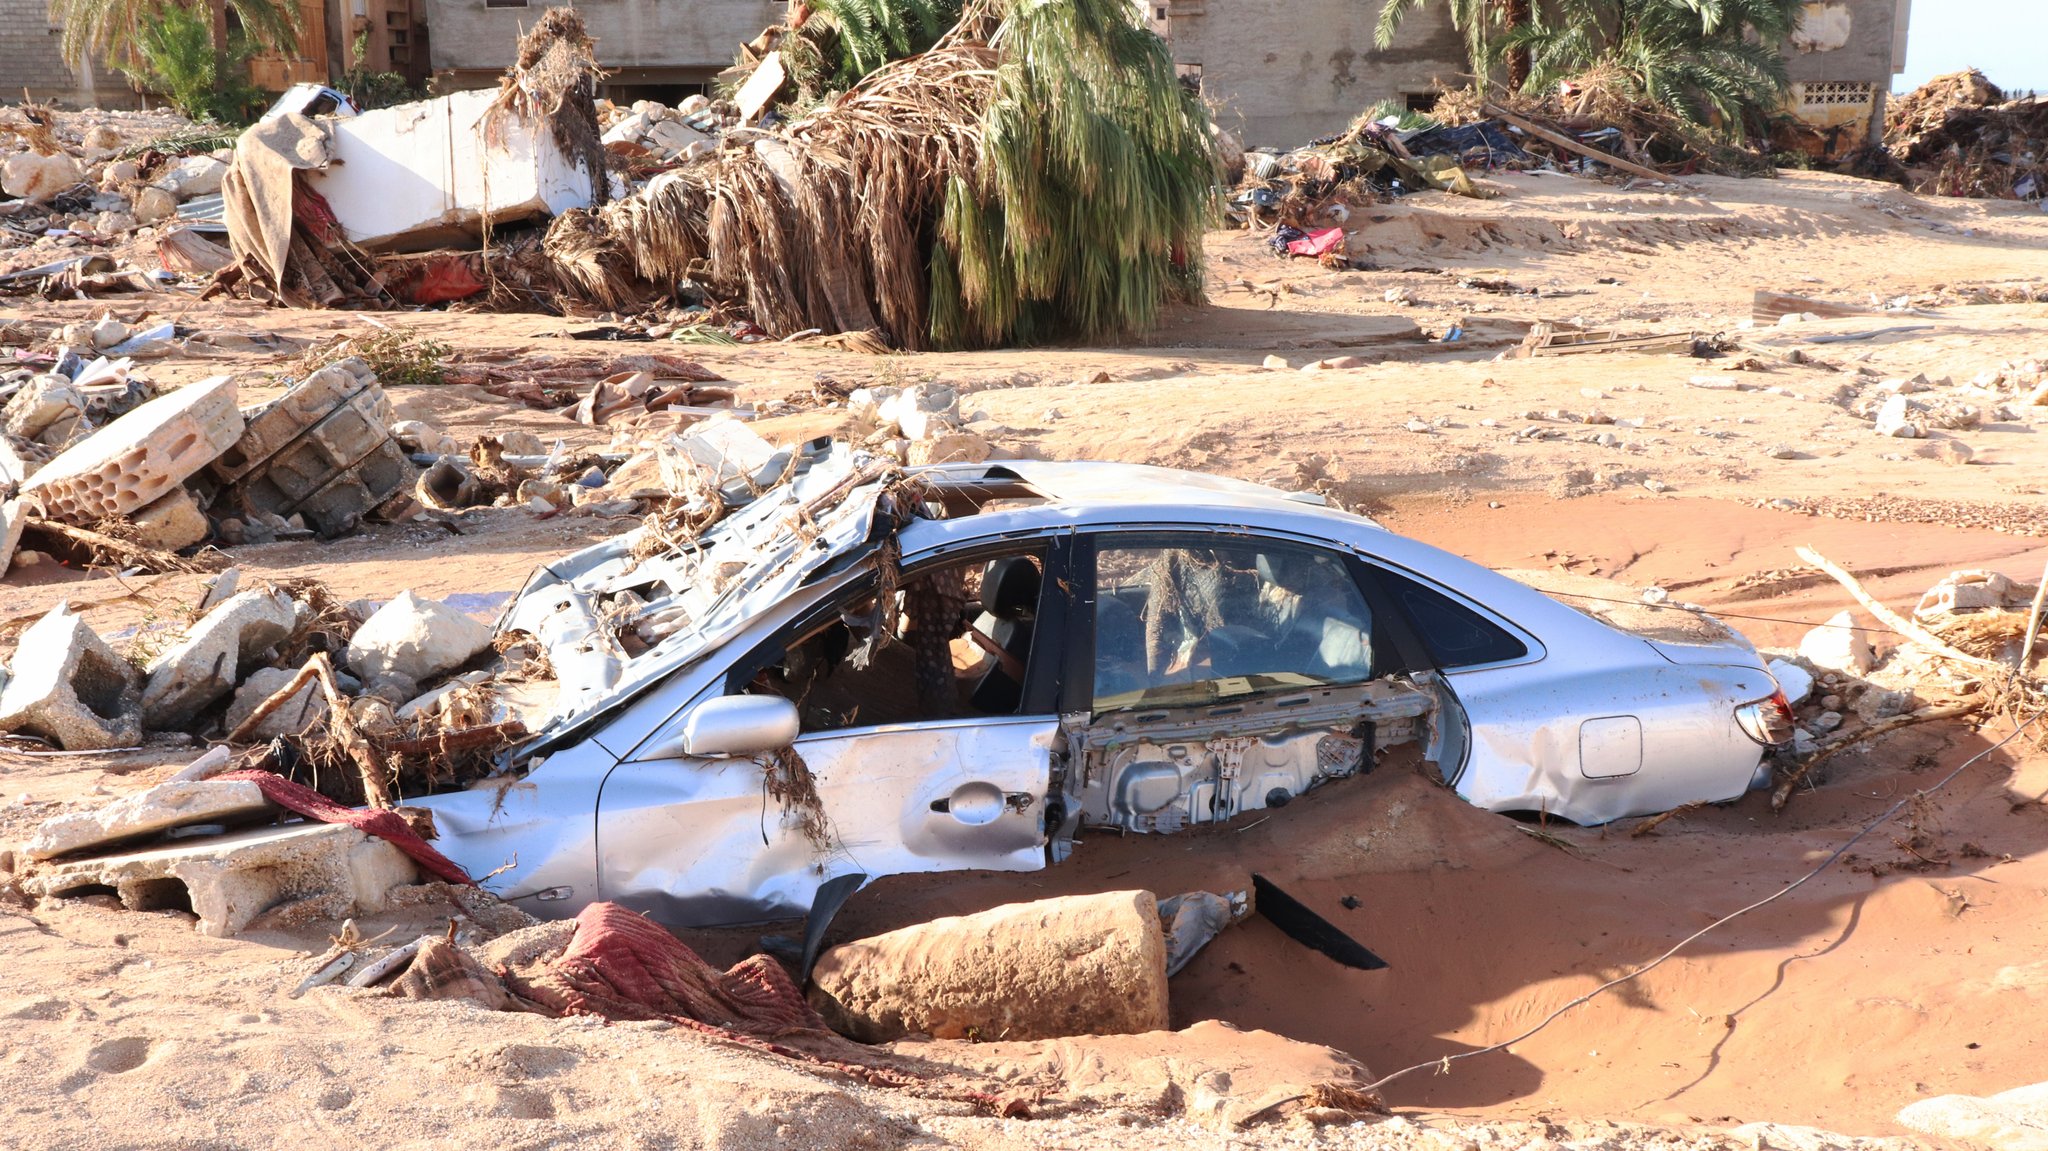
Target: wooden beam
[1571,145]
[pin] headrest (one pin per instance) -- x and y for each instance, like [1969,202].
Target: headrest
[1009,588]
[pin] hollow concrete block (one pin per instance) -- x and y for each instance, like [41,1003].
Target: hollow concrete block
[70,688]
[139,458]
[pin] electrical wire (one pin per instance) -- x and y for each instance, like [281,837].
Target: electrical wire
[1444,1063]
[1695,609]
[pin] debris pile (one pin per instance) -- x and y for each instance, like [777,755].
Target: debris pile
[1959,135]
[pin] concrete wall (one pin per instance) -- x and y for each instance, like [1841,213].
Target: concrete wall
[1844,46]
[1285,73]
[650,40]
[29,59]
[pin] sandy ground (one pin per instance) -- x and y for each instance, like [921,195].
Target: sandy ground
[1911,969]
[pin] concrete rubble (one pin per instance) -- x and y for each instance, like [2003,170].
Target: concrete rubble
[141,457]
[159,808]
[229,880]
[206,664]
[1079,965]
[68,687]
[415,639]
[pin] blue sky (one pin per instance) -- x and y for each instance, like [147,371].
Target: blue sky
[2007,40]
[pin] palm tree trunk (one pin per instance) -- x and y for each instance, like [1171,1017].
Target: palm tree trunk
[1518,15]
[221,61]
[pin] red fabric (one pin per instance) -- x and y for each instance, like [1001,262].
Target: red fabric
[311,209]
[386,825]
[442,281]
[1317,243]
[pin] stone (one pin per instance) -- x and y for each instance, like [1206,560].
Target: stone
[154,205]
[1827,721]
[1837,646]
[1952,452]
[69,687]
[39,179]
[306,707]
[102,138]
[171,523]
[1792,679]
[2015,1120]
[520,442]
[139,458]
[113,223]
[191,177]
[922,411]
[160,808]
[950,448]
[1076,965]
[228,880]
[1275,363]
[1878,703]
[48,409]
[1894,419]
[205,666]
[415,638]
[1782,452]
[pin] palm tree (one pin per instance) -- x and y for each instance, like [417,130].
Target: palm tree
[113,28]
[1706,60]
[1476,19]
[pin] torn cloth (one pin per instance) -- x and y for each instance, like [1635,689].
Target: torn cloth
[384,824]
[1316,243]
[258,191]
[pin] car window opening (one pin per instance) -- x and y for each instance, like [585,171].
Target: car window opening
[958,643]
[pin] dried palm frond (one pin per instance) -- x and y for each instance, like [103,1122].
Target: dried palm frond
[553,81]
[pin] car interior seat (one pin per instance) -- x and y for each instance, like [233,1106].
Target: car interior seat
[1009,601]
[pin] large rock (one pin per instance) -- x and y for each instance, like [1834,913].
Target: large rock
[228,880]
[39,179]
[1078,965]
[207,663]
[154,205]
[306,707]
[193,176]
[70,688]
[2015,1120]
[137,460]
[1837,646]
[415,638]
[1894,419]
[160,808]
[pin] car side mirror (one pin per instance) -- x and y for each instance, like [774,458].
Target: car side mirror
[739,725]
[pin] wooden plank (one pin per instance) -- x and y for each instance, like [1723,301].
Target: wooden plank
[1571,145]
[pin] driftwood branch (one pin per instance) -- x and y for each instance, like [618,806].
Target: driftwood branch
[1891,619]
[2033,624]
[119,550]
[318,669]
[1782,794]
[1571,145]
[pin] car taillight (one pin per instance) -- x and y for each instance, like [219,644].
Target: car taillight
[1767,721]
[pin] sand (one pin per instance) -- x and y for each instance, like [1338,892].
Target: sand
[1912,970]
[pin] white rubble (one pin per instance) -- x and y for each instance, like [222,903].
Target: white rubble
[306,707]
[160,808]
[70,688]
[207,663]
[2015,1120]
[1837,646]
[1792,679]
[1894,419]
[415,638]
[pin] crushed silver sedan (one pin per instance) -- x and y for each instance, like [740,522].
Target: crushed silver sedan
[862,670]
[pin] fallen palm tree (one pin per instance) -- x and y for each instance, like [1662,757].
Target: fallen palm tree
[1040,173]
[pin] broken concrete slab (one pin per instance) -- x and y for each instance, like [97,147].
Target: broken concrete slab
[1077,965]
[305,708]
[48,409]
[165,806]
[415,638]
[170,523]
[228,880]
[70,688]
[206,664]
[1837,645]
[139,458]
[422,175]
[13,517]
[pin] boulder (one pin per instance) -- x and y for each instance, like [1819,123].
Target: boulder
[39,179]
[108,331]
[160,808]
[207,663]
[154,205]
[102,138]
[70,688]
[1077,965]
[414,638]
[1837,646]
[295,716]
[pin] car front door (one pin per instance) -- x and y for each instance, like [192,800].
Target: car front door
[928,742]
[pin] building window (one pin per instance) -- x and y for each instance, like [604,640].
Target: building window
[504,3]
[1825,94]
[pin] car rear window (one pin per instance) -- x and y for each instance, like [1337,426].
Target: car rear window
[1455,635]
